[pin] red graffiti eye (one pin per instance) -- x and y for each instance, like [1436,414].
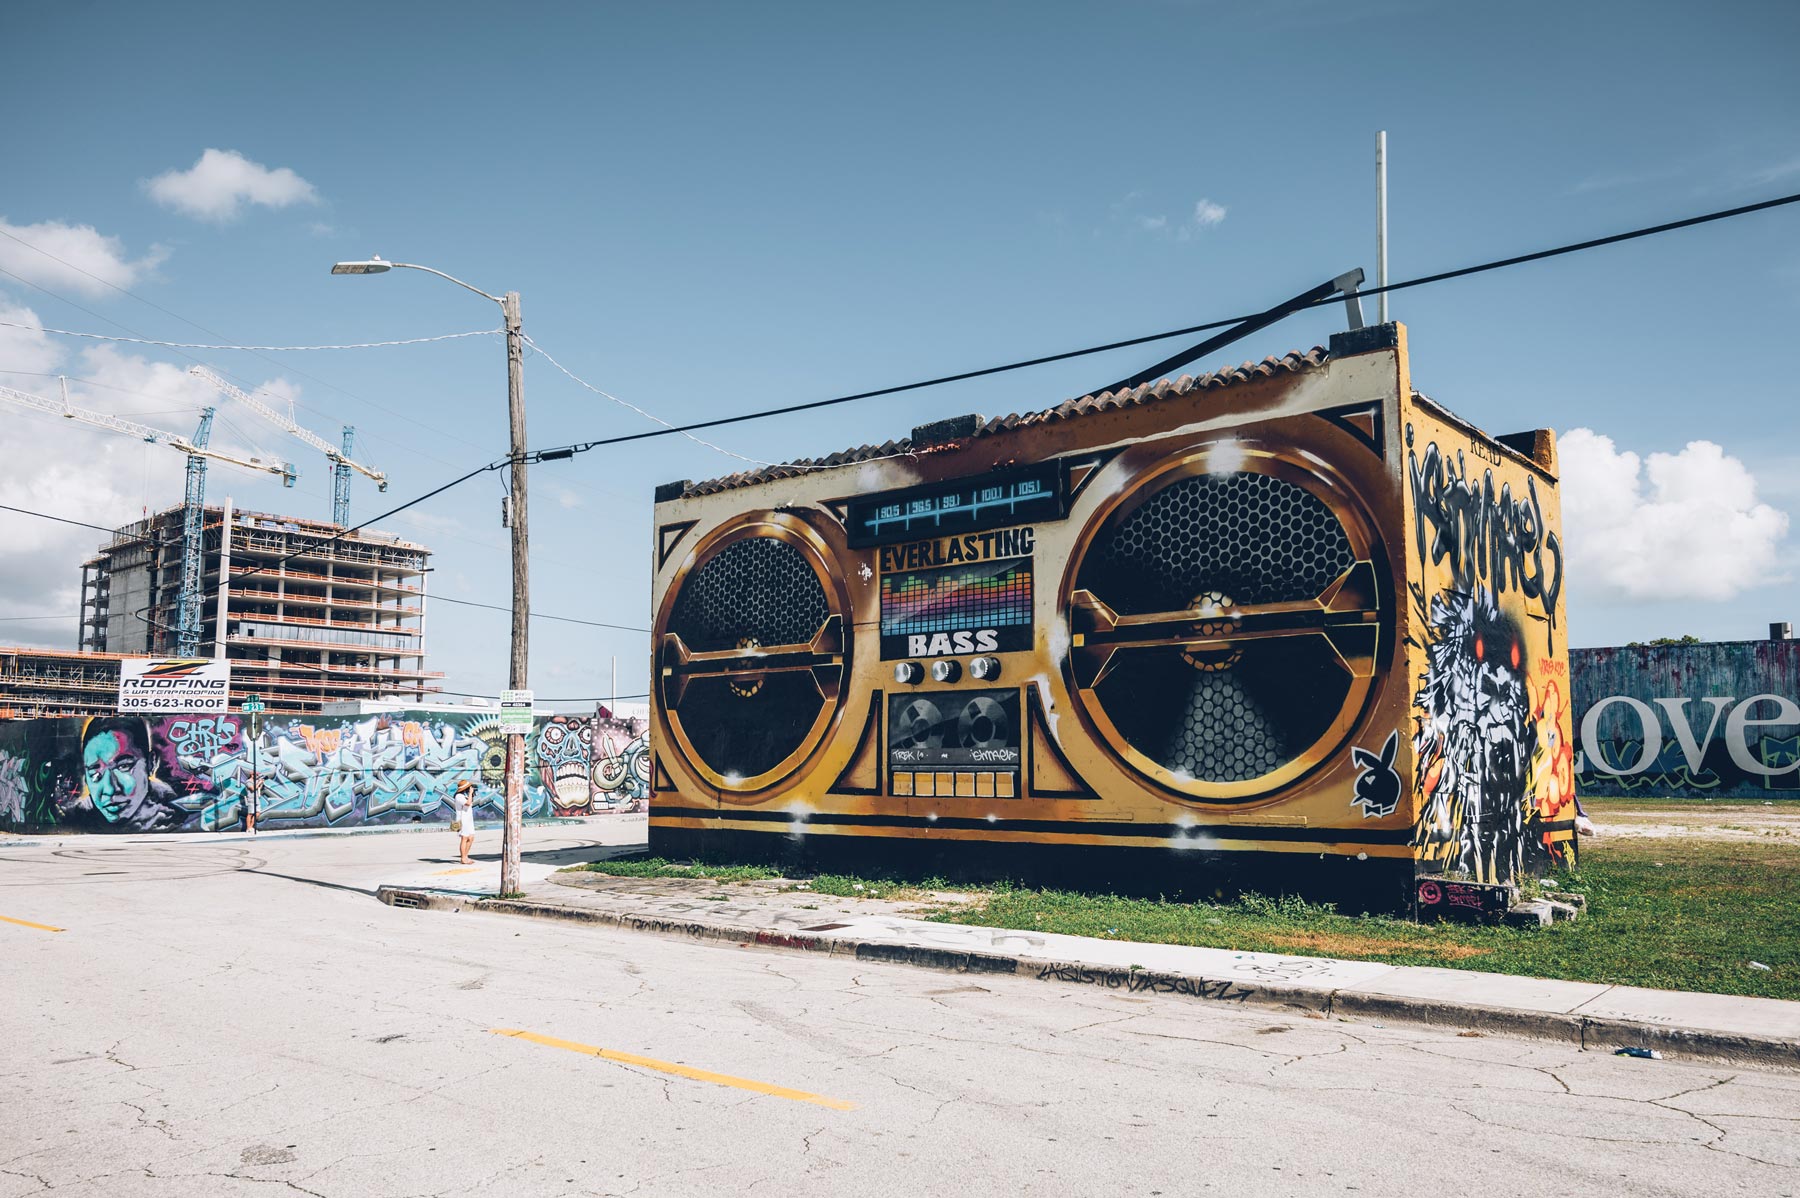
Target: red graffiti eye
[1515,655]
[1480,649]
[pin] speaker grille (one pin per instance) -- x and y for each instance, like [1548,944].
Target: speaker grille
[758,591]
[1249,537]
[1218,542]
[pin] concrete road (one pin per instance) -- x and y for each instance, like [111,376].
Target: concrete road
[236,1018]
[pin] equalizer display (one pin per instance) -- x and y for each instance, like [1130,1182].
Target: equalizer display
[1021,495]
[978,607]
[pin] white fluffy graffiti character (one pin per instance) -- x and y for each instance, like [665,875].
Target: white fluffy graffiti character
[1475,739]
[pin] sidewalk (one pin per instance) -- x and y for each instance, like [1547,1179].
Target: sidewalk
[1760,1031]
[13,840]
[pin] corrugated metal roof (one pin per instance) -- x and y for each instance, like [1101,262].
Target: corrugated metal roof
[1295,362]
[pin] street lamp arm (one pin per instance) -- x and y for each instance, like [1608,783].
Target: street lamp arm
[440,274]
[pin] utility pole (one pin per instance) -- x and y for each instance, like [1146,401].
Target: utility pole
[514,827]
[514,823]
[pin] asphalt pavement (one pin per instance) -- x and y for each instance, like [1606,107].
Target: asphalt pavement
[226,1016]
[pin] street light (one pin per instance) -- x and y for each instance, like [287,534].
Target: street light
[521,600]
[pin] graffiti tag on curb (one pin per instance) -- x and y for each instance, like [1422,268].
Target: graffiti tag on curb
[1141,982]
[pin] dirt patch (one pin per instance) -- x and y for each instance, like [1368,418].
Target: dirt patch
[1695,819]
[1343,944]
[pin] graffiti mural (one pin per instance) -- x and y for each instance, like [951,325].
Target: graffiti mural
[1475,740]
[190,772]
[593,764]
[1486,536]
[1713,721]
[1495,777]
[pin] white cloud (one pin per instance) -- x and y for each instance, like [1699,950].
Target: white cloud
[1207,214]
[76,257]
[217,186]
[79,472]
[1686,525]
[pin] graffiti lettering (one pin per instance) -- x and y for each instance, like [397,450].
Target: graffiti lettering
[1644,759]
[1138,981]
[1487,537]
[190,772]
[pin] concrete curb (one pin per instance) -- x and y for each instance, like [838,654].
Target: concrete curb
[34,839]
[1586,1032]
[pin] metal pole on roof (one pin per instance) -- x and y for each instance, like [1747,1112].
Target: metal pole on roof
[1381,219]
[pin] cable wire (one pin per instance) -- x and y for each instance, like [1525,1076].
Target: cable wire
[58,519]
[668,425]
[1461,272]
[536,615]
[13,324]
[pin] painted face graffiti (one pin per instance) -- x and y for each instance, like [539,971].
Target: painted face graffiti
[563,750]
[116,779]
[1475,741]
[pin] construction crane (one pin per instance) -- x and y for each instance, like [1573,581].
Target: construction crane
[342,464]
[187,618]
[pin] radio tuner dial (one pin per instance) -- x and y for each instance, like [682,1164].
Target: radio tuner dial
[946,670]
[909,673]
[984,668]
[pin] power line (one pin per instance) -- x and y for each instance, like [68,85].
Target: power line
[567,451]
[13,324]
[627,404]
[196,324]
[536,615]
[541,699]
[58,519]
[1461,272]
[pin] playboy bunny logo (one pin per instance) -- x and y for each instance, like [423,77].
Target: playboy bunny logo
[1378,786]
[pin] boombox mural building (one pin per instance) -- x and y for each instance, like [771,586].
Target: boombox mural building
[1291,625]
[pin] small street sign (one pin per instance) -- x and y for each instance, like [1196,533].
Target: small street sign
[252,705]
[515,712]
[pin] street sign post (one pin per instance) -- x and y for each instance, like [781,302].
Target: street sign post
[515,713]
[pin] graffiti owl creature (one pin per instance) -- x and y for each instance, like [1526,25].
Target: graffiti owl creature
[1475,740]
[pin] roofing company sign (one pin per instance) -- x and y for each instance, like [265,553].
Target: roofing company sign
[173,684]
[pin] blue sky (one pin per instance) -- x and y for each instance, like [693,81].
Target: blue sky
[712,208]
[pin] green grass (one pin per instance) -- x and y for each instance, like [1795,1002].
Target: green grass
[1681,915]
[1668,914]
[657,867]
[838,885]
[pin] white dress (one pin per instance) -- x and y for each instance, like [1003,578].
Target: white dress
[465,815]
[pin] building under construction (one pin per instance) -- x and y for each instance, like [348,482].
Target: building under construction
[36,683]
[305,619]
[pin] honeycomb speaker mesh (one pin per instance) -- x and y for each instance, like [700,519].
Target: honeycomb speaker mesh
[1250,537]
[756,592]
[1220,543]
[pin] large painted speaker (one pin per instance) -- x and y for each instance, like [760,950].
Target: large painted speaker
[1291,620]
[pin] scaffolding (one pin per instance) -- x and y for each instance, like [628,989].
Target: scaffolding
[305,613]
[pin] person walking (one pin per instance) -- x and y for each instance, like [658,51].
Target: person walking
[462,818]
[252,801]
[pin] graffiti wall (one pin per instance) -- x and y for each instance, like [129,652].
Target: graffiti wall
[190,773]
[1494,769]
[1716,721]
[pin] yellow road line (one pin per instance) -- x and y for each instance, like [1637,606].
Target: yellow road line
[474,869]
[26,923]
[699,1075]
